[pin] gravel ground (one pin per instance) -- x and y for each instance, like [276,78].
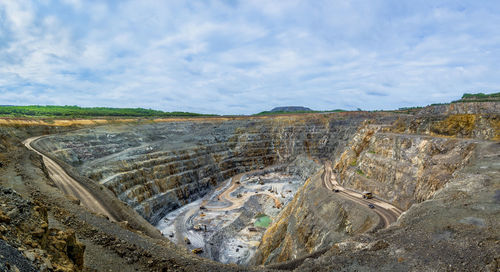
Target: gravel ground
[12,260]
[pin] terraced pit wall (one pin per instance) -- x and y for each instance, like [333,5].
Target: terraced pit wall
[390,160]
[487,108]
[478,120]
[313,221]
[158,167]
[401,168]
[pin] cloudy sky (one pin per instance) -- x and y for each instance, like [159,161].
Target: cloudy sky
[242,57]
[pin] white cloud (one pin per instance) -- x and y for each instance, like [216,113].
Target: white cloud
[76,4]
[19,14]
[247,56]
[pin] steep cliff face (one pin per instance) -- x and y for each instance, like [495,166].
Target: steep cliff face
[462,108]
[158,167]
[457,229]
[402,168]
[397,165]
[478,126]
[315,219]
[479,120]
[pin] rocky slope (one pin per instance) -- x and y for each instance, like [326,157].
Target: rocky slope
[25,225]
[29,240]
[479,120]
[314,220]
[109,246]
[443,168]
[402,168]
[457,229]
[462,108]
[158,167]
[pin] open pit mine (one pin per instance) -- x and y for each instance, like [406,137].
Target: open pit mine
[351,191]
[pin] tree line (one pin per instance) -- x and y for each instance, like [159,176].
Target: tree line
[75,111]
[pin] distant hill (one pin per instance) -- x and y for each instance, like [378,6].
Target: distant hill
[290,109]
[294,109]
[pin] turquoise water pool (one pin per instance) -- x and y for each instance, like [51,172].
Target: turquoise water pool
[263,221]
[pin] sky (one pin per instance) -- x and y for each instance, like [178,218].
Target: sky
[243,57]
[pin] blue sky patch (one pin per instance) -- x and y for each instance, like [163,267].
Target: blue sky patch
[243,57]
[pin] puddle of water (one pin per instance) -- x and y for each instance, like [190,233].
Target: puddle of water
[263,221]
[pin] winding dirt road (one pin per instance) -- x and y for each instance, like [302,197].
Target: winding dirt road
[181,228]
[183,222]
[386,211]
[238,202]
[69,185]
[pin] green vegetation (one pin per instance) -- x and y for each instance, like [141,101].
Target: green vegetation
[293,112]
[410,108]
[263,221]
[360,172]
[480,96]
[78,112]
[466,97]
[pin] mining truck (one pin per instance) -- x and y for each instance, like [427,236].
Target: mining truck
[197,227]
[198,250]
[367,195]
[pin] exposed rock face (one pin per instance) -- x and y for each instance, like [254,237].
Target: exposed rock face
[455,230]
[404,169]
[401,168]
[109,246]
[25,226]
[315,219]
[11,260]
[156,168]
[479,126]
[451,220]
[462,108]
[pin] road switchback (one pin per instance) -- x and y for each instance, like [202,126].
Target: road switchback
[69,185]
[387,212]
